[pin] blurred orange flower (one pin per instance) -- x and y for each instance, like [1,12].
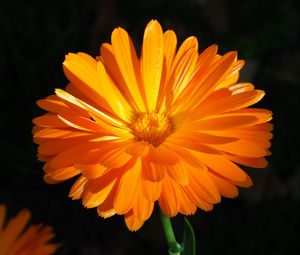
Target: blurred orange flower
[170,126]
[16,239]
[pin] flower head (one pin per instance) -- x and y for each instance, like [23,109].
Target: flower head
[17,239]
[171,126]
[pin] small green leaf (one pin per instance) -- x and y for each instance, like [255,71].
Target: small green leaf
[189,240]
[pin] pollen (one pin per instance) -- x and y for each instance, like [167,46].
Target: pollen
[152,127]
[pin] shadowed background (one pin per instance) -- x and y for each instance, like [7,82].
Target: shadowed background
[34,38]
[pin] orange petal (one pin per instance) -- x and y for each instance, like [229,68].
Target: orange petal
[152,61]
[56,146]
[113,96]
[109,154]
[230,103]
[54,104]
[226,189]
[153,172]
[161,155]
[106,121]
[132,221]
[91,199]
[244,148]
[106,209]
[251,162]
[223,122]
[116,158]
[205,84]
[77,188]
[265,127]
[129,65]
[91,79]
[91,171]
[138,149]
[142,208]
[170,42]
[241,87]
[232,77]
[262,115]
[204,138]
[246,183]
[112,68]
[54,133]
[126,193]
[215,96]
[49,120]
[68,157]
[61,174]
[206,58]
[202,185]
[169,200]
[178,173]
[13,229]
[223,167]
[82,123]
[35,241]
[151,190]
[84,77]
[186,155]
[184,70]
[188,44]
[192,143]
[195,197]
[187,206]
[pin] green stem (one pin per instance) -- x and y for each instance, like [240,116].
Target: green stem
[174,247]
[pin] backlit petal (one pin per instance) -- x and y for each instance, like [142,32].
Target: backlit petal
[152,61]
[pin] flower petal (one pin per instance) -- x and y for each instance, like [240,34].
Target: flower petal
[91,199]
[153,172]
[61,174]
[203,85]
[226,189]
[112,68]
[178,173]
[222,122]
[126,193]
[138,149]
[50,120]
[152,61]
[151,190]
[13,229]
[169,200]
[223,167]
[78,188]
[196,198]
[170,42]
[91,171]
[143,207]
[250,162]
[230,103]
[129,65]
[133,223]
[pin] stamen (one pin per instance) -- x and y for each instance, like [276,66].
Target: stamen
[151,127]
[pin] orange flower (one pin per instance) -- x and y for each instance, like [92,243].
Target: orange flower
[170,126]
[15,240]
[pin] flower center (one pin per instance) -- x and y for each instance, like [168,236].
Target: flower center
[151,127]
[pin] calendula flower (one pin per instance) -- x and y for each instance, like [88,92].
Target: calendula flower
[171,126]
[17,239]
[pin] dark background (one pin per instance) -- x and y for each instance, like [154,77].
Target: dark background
[35,36]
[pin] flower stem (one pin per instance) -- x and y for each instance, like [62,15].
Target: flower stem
[174,247]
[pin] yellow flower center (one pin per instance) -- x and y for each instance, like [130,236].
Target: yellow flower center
[151,127]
